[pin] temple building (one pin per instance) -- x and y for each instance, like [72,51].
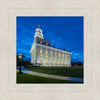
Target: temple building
[43,54]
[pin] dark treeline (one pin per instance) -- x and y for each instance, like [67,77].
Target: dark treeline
[76,63]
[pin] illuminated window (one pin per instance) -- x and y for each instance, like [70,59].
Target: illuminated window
[55,58]
[59,55]
[55,63]
[41,42]
[51,62]
[40,51]
[55,54]
[40,61]
[46,61]
[46,43]
[46,52]
[51,57]
[46,56]
[51,53]
[63,63]
[62,55]
[66,56]
[40,56]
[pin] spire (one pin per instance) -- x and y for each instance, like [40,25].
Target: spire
[38,32]
[38,25]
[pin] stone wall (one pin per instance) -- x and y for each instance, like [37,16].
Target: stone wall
[33,56]
[52,60]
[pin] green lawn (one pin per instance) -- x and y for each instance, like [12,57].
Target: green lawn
[63,71]
[26,78]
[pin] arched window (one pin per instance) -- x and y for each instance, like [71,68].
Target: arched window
[51,53]
[40,51]
[59,54]
[55,54]
[63,63]
[62,55]
[40,61]
[55,62]
[46,52]
[66,56]
[41,42]
[46,61]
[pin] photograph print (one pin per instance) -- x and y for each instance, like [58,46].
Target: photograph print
[50,49]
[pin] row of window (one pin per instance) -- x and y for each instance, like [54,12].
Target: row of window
[52,62]
[52,53]
[41,43]
[50,57]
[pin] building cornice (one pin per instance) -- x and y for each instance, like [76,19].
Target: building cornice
[56,49]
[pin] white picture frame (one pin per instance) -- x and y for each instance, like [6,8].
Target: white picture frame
[9,89]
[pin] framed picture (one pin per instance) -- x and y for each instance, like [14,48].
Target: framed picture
[52,53]
[49,50]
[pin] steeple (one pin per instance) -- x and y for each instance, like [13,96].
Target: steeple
[38,32]
[38,25]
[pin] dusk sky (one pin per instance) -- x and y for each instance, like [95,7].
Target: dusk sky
[63,32]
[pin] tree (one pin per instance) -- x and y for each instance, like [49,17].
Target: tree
[20,60]
[76,63]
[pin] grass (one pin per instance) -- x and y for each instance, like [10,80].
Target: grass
[62,71]
[26,78]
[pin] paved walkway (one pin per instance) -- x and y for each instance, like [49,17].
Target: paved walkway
[51,76]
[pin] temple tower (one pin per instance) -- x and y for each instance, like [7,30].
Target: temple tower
[38,33]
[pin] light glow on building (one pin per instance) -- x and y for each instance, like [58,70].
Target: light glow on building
[43,54]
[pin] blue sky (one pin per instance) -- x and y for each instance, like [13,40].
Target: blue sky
[63,32]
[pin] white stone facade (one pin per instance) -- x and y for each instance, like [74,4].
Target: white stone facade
[45,55]
[49,56]
[38,33]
